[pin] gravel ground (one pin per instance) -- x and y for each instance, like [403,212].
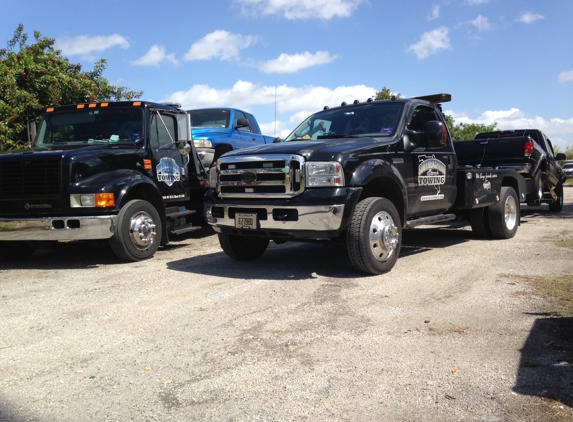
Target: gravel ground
[453,333]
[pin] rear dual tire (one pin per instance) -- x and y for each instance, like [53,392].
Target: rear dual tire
[499,220]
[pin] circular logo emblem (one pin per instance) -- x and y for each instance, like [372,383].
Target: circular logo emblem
[248,177]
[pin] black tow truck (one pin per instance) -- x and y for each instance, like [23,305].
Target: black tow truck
[125,172]
[358,174]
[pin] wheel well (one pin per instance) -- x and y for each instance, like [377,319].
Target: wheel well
[220,149]
[511,182]
[385,187]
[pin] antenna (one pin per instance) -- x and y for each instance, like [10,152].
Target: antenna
[275,111]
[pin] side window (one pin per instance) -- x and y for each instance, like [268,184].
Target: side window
[254,125]
[241,115]
[163,132]
[420,117]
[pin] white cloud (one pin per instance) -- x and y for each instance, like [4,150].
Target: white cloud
[295,102]
[476,2]
[245,94]
[431,42]
[155,56]
[560,131]
[435,13]
[528,17]
[220,44]
[84,45]
[300,9]
[291,63]
[481,23]
[566,76]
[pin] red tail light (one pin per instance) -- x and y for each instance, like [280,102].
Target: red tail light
[528,150]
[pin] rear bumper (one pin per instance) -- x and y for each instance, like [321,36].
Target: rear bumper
[58,228]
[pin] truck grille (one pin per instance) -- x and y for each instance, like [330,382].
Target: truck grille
[271,176]
[28,178]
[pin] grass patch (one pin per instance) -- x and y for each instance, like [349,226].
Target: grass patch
[557,291]
[566,242]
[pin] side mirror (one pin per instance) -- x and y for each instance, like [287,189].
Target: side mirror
[184,148]
[436,134]
[241,123]
[277,140]
[408,146]
[560,157]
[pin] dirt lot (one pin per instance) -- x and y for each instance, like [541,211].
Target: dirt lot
[453,333]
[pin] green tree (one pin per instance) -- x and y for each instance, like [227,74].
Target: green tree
[386,94]
[569,152]
[465,131]
[36,77]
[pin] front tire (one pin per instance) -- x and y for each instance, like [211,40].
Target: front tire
[243,248]
[374,237]
[504,215]
[138,231]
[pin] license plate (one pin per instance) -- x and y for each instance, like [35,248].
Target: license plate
[245,221]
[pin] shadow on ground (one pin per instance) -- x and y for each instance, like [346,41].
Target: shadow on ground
[546,365]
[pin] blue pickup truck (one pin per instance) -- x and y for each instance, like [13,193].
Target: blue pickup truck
[219,130]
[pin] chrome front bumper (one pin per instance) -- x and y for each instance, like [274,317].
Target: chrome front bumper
[58,228]
[312,217]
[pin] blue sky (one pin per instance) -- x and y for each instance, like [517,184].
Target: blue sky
[509,61]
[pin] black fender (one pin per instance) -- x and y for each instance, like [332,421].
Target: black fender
[125,184]
[394,188]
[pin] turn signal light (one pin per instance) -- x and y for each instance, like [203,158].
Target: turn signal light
[104,200]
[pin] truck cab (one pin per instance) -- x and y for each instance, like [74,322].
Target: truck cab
[219,130]
[126,172]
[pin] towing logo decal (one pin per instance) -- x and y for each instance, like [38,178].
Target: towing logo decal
[168,171]
[431,171]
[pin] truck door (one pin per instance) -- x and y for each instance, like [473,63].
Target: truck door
[169,165]
[431,183]
[246,138]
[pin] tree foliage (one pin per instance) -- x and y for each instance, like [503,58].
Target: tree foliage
[36,77]
[465,131]
[386,94]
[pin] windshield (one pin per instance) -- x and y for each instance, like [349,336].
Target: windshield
[82,127]
[209,118]
[369,119]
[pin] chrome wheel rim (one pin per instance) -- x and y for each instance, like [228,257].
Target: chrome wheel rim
[510,212]
[142,230]
[383,236]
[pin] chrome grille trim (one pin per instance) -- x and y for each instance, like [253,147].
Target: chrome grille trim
[254,176]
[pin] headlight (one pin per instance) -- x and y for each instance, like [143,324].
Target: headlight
[202,143]
[92,200]
[324,174]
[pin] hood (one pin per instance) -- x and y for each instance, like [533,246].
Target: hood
[88,161]
[321,150]
[206,131]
